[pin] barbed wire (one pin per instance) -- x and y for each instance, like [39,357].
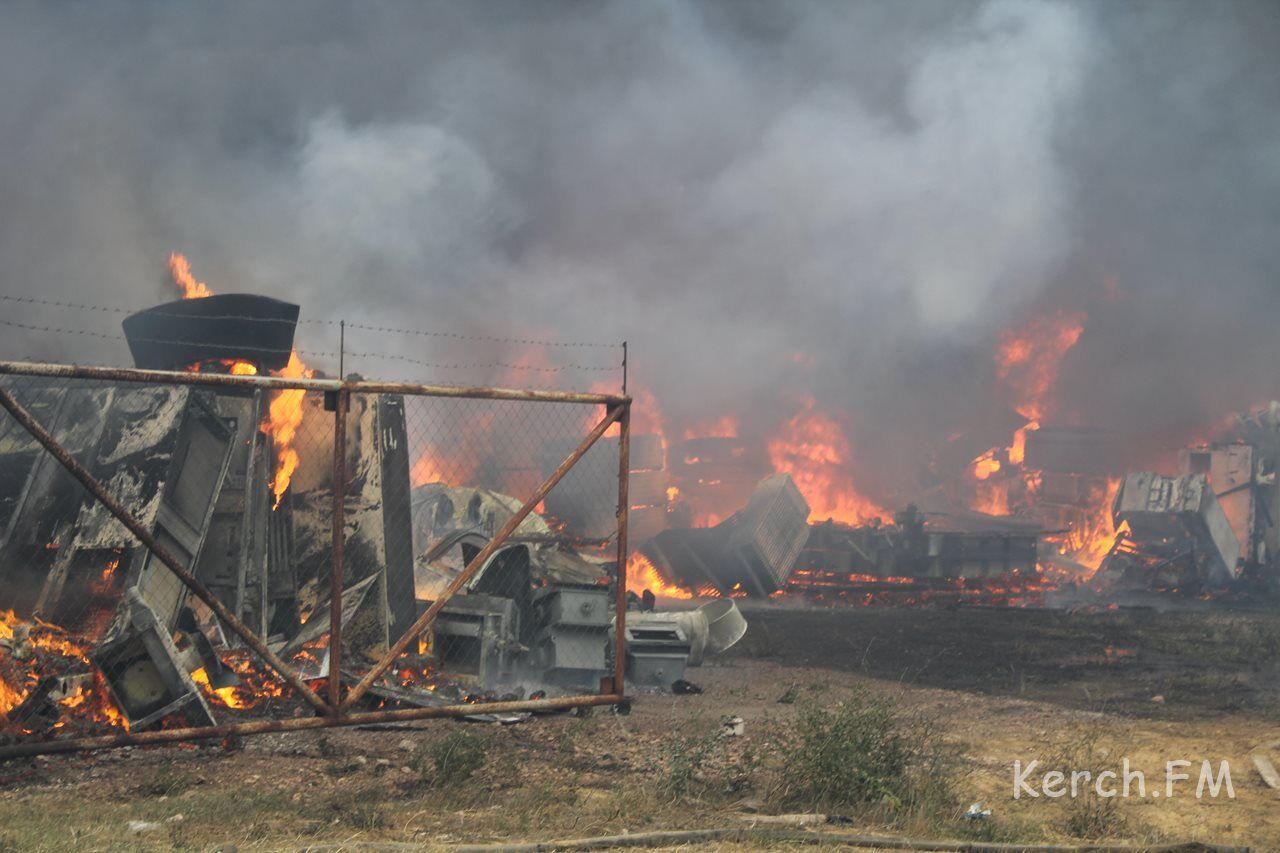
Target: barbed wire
[52,303]
[28,300]
[220,347]
[190,343]
[478,366]
[462,337]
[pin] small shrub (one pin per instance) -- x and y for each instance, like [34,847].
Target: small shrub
[861,753]
[454,758]
[849,754]
[1089,815]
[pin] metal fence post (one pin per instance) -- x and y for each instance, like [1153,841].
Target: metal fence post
[624,501]
[341,406]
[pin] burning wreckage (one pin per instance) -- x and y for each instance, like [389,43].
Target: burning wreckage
[1084,529]
[95,632]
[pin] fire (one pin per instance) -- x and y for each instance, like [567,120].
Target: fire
[43,644]
[812,448]
[426,469]
[285,411]
[1028,361]
[233,366]
[256,684]
[992,497]
[180,272]
[643,575]
[724,427]
[986,465]
[285,418]
[1091,540]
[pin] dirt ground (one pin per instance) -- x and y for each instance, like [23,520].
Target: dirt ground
[1001,686]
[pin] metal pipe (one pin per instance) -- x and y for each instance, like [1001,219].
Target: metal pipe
[22,750]
[223,380]
[164,377]
[479,560]
[481,393]
[38,432]
[624,507]
[339,540]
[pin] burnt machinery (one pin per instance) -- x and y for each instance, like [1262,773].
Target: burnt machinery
[195,465]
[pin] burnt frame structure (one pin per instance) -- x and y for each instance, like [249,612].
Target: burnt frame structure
[335,708]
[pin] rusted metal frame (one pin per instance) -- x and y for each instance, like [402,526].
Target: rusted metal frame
[499,538]
[23,750]
[164,377]
[222,380]
[86,479]
[620,585]
[341,406]
[481,393]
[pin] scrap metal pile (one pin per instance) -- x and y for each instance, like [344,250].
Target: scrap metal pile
[1084,526]
[96,633]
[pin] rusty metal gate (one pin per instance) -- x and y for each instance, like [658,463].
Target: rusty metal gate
[190,555]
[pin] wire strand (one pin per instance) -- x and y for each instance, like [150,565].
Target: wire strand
[27,300]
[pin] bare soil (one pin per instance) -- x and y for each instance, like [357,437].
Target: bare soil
[1003,685]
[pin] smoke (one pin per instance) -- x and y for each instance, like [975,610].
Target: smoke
[768,200]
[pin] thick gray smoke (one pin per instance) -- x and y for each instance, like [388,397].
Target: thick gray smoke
[767,199]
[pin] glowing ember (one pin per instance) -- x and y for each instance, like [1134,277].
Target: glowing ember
[48,649]
[230,365]
[643,575]
[812,448]
[256,684]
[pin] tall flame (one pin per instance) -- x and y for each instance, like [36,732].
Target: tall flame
[180,272]
[812,448]
[285,409]
[1028,361]
[285,418]
[1091,540]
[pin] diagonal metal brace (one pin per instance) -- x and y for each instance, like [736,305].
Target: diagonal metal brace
[86,479]
[613,414]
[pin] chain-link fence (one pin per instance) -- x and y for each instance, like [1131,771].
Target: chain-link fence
[188,555]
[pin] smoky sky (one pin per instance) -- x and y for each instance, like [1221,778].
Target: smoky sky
[767,200]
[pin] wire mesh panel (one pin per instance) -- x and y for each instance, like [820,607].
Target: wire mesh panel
[97,633]
[187,553]
[432,484]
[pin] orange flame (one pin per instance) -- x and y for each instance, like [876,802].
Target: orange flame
[1091,540]
[986,465]
[1028,361]
[180,272]
[285,410]
[93,703]
[725,427]
[812,448]
[285,418]
[643,575]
